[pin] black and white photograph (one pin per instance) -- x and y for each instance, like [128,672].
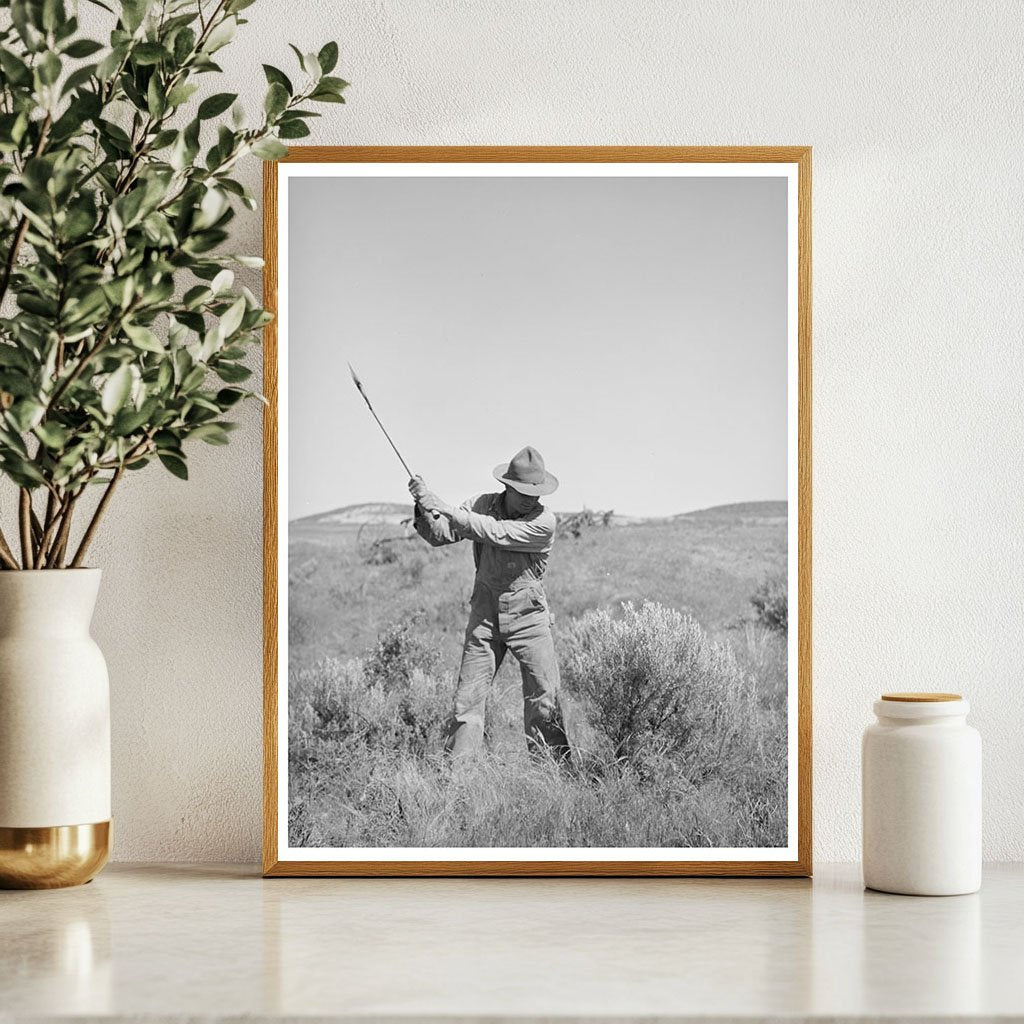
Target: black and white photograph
[537,512]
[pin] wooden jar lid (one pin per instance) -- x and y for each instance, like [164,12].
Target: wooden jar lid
[921,698]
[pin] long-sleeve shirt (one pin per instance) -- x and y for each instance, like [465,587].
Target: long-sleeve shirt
[507,550]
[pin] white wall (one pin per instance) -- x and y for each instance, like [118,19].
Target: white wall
[914,113]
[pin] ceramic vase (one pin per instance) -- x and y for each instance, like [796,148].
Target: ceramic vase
[921,769]
[54,731]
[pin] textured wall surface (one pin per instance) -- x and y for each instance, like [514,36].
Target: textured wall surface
[913,110]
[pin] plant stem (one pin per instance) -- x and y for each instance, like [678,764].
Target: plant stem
[25,521]
[37,529]
[90,531]
[56,555]
[51,509]
[6,555]
[50,525]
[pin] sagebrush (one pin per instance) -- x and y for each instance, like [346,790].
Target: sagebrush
[771,602]
[701,763]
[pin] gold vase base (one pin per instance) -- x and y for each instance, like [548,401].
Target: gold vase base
[52,857]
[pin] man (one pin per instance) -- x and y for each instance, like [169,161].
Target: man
[512,535]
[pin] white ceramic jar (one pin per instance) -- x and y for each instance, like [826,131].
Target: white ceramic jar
[921,779]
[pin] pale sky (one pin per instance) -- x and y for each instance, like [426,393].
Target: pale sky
[633,329]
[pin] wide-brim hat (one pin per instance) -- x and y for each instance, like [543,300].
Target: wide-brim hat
[526,473]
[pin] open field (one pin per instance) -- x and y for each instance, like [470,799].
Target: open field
[367,715]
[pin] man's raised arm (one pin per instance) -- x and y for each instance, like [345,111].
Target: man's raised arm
[535,534]
[435,530]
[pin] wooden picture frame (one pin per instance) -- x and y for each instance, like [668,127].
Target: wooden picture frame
[794,161]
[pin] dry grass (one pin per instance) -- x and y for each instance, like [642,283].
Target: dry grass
[701,762]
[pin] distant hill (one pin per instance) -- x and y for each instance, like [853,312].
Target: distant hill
[355,515]
[392,512]
[741,509]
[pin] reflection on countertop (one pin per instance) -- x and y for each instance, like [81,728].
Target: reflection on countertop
[179,940]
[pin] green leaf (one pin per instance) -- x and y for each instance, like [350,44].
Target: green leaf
[293,130]
[26,413]
[156,99]
[334,84]
[115,133]
[149,53]
[83,48]
[275,75]
[181,93]
[211,208]
[328,57]
[120,291]
[53,14]
[66,29]
[11,355]
[232,373]
[276,99]
[21,471]
[53,435]
[175,464]
[11,441]
[144,338]
[109,65]
[232,319]
[269,149]
[193,321]
[116,390]
[49,68]
[193,379]
[211,343]
[86,309]
[129,207]
[184,44]
[162,139]
[16,70]
[133,13]
[77,79]
[26,21]
[36,304]
[307,61]
[311,65]
[227,397]
[128,421]
[324,96]
[78,222]
[216,104]
[167,441]
[185,147]
[195,297]
[222,281]
[221,35]
[164,376]
[211,433]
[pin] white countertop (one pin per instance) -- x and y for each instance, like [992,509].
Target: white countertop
[178,941]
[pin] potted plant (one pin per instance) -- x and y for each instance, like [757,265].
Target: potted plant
[122,339]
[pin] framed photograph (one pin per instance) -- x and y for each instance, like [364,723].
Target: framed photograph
[537,496]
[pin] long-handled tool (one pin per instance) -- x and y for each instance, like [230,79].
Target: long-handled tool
[359,387]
